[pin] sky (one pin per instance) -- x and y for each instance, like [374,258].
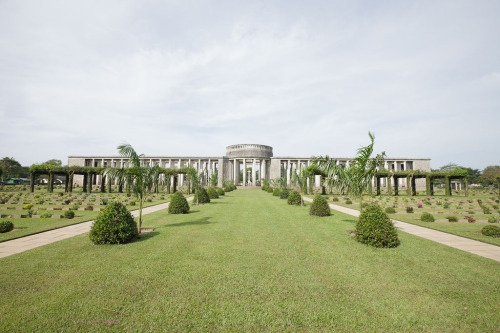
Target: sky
[188,78]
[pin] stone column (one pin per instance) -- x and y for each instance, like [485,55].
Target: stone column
[288,172]
[254,172]
[263,171]
[244,172]
[236,169]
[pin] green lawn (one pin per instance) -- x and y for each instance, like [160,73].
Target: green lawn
[248,262]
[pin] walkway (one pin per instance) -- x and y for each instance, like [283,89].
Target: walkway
[465,244]
[22,244]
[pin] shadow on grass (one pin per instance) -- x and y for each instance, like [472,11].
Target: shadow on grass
[146,236]
[188,223]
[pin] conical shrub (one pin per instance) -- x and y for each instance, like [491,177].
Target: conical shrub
[319,207]
[375,228]
[220,191]
[212,193]
[178,204]
[201,196]
[294,198]
[114,225]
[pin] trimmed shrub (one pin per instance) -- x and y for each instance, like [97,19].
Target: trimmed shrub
[375,228]
[348,201]
[69,214]
[294,198]
[493,219]
[319,207]
[132,203]
[221,192]
[269,189]
[491,231]
[409,210]
[212,193]
[115,225]
[201,196]
[276,192]
[390,210]
[28,206]
[228,189]
[427,217]
[46,215]
[335,199]
[6,226]
[178,204]
[452,219]
[89,207]
[284,193]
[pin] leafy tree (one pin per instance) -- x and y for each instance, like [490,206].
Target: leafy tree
[140,178]
[489,174]
[9,165]
[54,162]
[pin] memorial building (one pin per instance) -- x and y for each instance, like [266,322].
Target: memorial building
[244,164]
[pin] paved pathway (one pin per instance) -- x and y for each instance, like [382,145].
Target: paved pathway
[465,244]
[22,244]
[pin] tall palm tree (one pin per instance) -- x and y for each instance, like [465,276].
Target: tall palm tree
[362,170]
[140,178]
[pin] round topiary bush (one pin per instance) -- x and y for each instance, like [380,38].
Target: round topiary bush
[178,204]
[228,189]
[294,198]
[114,225]
[212,193]
[221,191]
[284,194]
[201,196]
[319,207]
[276,192]
[6,226]
[375,228]
[390,210]
[69,214]
[233,187]
[269,189]
[491,231]
[427,217]
[348,202]
[335,199]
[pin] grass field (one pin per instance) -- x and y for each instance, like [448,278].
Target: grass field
[248,262]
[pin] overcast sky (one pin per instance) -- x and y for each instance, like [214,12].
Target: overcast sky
[305,77]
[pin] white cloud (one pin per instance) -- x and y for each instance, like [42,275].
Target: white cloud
[192,77]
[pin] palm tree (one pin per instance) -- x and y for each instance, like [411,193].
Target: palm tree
[362,170]
[300,179]
[141,179]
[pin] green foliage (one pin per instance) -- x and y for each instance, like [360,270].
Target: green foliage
[348,202]
[28,206]
[409,210]
[269,189]
[69,214]
[201,196]
[220,192]
[375,228]
[276,192]
[284,193]
[335,199]
[491,231]
[6,226]
[452,219]
[427,217]
[46,215]
[493,219]
[390,210]
[212,193]
[294,198]
[115,225]
[178,204]
[319,207]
